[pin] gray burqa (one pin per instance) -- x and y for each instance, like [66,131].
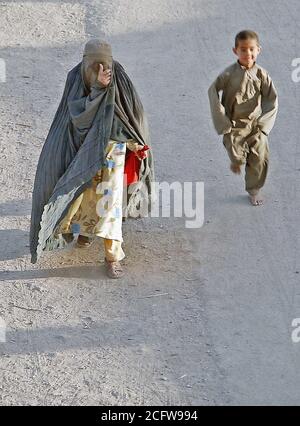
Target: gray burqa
[74,149]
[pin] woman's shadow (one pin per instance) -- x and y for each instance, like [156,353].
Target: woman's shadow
[15,242]
[15,245]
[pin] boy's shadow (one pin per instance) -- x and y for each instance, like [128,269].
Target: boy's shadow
[237,199]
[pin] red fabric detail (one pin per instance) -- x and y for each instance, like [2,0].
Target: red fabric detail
[133,164]
[132,168]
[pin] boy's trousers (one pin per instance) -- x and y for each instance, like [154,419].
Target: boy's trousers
[249,146]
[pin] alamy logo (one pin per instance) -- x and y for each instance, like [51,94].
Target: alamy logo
[2,71]
[296,71]
[296,332]
[2,330]
[176,199]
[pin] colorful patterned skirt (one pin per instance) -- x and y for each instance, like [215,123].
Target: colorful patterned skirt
[98,210]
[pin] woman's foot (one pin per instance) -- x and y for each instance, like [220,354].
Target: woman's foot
[114,269]
[68,237]
[83,241]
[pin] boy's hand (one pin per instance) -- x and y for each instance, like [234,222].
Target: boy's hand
[258,134]
[260,131]
[235,168]
[104,77]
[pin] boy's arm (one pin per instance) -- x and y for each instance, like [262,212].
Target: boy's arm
[269,105]
[221,122]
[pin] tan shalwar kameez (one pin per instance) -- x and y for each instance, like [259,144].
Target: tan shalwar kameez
[245,115]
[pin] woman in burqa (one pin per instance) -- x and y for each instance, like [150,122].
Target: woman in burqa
[79,185]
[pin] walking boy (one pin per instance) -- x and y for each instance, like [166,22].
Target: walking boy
[246,113]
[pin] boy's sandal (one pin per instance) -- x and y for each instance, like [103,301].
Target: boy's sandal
[114,269]
[83,241]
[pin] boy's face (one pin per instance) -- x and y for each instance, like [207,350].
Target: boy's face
[247,52]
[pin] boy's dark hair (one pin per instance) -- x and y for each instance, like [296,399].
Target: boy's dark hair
[245,35]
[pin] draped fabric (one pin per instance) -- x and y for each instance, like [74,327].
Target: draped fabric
[74,151]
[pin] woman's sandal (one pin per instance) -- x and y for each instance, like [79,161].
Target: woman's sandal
[69,237]
[114,269]
[83,241]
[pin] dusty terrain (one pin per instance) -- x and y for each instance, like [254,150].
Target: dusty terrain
[203,316]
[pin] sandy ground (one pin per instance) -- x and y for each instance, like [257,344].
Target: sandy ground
[204,315]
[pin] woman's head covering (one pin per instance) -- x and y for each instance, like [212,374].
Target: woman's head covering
[95,52]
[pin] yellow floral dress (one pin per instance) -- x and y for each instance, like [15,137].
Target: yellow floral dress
[98,210]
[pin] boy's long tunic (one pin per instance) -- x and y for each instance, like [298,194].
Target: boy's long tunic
[245,115]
